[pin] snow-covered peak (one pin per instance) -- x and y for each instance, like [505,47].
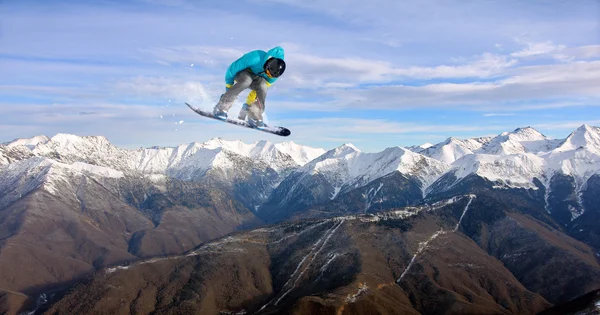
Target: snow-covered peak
[527,134]
[28,142]
[267,151]
[23,176]
[301,154]
[73,142]
[584,137]
[195,157]
[578,155]
[503,145]
[370,166]
[509,170]
[449,152]
[350,146]
[343,150]
[345,168]
[236,146]
[66,144]
[95,150]
[453,148]
[521,140]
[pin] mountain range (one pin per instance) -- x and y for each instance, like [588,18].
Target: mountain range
[346,231]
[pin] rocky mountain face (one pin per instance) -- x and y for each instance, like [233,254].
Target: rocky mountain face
[505,224]
[415,260]
[347,176]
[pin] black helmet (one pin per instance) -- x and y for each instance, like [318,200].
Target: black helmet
[274,67]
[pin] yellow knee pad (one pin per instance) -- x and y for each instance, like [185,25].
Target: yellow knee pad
[251,98]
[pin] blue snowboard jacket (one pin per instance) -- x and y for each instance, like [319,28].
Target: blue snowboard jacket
[255,61]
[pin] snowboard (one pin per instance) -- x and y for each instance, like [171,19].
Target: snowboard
[276,130]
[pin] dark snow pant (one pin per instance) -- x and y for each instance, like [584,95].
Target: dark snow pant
[256,105]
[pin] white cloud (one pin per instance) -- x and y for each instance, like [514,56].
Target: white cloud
[316,72]
[203,56]
[537,49]
[498,114]
[584,52]
[335,125]
[512,88]
[484,66]
[164,88]
[566,125]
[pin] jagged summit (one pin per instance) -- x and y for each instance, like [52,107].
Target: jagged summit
[301,154]
[583,137]
[27,142]
[453,148]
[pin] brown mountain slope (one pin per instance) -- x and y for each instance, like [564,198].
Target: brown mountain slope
[588,304]
[49,239]
[413,261]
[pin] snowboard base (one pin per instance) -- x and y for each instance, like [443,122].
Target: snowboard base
[276,130]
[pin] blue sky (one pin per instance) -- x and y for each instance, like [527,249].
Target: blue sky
[375,73]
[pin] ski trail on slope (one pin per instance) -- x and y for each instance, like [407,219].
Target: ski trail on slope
[299,233]
[463,215]
[311,261]
[547,196]
[579,187]
[424,245]
[299,271]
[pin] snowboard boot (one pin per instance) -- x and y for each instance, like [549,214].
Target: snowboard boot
[219,113]
[243,112]
[255,117]
[258,124]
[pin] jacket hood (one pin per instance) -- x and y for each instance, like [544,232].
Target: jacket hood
[276,52]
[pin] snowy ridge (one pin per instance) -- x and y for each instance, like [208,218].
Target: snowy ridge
[510,160]
[19,178]
[513,171]
[346,167]
[515,159]
[585,137]
[522,140]
[301,154]
[183,160]
[29,143]
[452,149]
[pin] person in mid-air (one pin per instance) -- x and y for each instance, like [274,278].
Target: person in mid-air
[256,70]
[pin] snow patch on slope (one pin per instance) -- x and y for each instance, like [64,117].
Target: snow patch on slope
[513,171]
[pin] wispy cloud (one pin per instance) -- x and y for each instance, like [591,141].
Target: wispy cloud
[498,114]
[355,71]
[540,49]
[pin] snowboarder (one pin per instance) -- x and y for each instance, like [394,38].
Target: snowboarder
[256,70]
